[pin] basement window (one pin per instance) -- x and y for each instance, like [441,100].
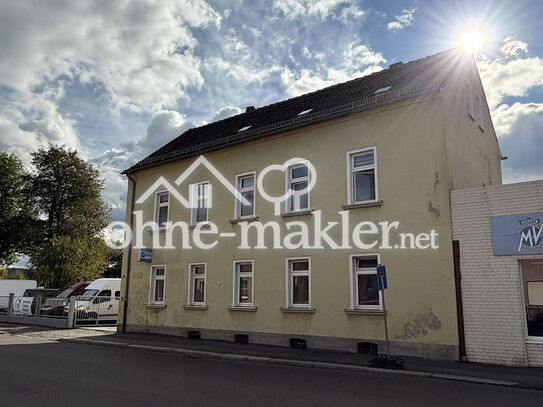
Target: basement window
[244,128]
[381,90]
[304,112]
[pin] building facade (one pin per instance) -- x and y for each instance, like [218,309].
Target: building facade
[500,237]
[384,148]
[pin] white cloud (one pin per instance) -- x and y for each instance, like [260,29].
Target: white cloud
[509,76]
[226,111]
[293,9]
[403,20]
[358,60]
[347,14]
[513,47]
[123,45]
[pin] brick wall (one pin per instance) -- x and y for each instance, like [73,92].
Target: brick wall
[494,319]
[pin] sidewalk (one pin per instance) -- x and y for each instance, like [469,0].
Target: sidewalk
[469,372]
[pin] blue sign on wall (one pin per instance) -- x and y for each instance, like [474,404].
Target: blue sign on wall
[382,283]
[514,235]
[146,255]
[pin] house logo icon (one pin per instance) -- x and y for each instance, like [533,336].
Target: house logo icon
[192,202]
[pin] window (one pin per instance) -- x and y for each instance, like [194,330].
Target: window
[362,176]
[246,186]
[243,283]
[197,284]
[532,278]
[304,112]
[475,106]
[365,294]
[381,90]
[201,197]
[162,204]
[156,288]
[298,283]
[298,182]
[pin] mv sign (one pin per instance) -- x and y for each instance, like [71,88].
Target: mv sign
[514,235]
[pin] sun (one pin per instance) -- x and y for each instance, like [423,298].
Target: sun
[472,40]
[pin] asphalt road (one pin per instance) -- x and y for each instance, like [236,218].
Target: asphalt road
[35,372]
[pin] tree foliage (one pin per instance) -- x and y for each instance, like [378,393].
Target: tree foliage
[66,193]
[16,220]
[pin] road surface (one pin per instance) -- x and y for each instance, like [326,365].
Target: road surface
[36,372]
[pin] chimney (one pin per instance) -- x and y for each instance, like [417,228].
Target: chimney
[249,109]
[395,65]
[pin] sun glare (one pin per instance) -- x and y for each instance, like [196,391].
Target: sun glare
[472,40]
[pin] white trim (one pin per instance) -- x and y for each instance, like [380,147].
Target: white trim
[235,285]
[194,209]
[158,205]
[190,285]
[354,284]
[350,171]
[152,281]
[288,183]
[237,202]
[288,302]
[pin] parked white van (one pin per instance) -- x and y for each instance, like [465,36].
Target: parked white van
[99,301]
[17,287]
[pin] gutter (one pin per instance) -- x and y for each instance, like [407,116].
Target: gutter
[129,260]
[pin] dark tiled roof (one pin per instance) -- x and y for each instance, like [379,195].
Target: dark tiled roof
[344,98]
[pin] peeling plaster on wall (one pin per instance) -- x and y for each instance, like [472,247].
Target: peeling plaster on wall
[434,209]
[437,181]
[420,326]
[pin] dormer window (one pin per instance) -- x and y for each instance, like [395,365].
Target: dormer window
[245,128]
[381,90]
[304,112]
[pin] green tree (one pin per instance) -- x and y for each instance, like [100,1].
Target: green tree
[64,259]
[16,220]
[115,261]
[66,192]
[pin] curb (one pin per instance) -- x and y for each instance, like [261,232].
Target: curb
[291,362]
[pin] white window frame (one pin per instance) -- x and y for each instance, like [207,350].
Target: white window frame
[191,285]
[288,283]
[288,183]
[152,283]
[236,286]
[237,202]
[159,205]
[194,188]
[351,170]
[353,274]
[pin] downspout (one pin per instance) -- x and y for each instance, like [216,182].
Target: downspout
[132,181]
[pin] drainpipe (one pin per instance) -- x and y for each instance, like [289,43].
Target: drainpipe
[132,181]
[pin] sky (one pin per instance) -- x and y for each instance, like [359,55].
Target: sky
[115,80]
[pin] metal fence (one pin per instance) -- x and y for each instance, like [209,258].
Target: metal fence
[77,311]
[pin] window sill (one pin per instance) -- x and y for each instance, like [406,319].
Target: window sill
[203,226]
[297,213]
[250,219]
[362,205]
[364,312]
[535,340]
[155,306]
[196,307]
[242,309]
[298,310]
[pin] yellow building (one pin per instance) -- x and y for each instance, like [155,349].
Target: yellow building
[387,147]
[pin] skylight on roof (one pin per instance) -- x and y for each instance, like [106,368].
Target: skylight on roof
[381,90]
[304,112]
[245,128]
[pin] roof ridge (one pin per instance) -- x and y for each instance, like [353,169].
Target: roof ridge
[350,81]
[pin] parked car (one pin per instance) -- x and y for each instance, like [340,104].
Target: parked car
[100,300]
[44,292]
[55,306]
